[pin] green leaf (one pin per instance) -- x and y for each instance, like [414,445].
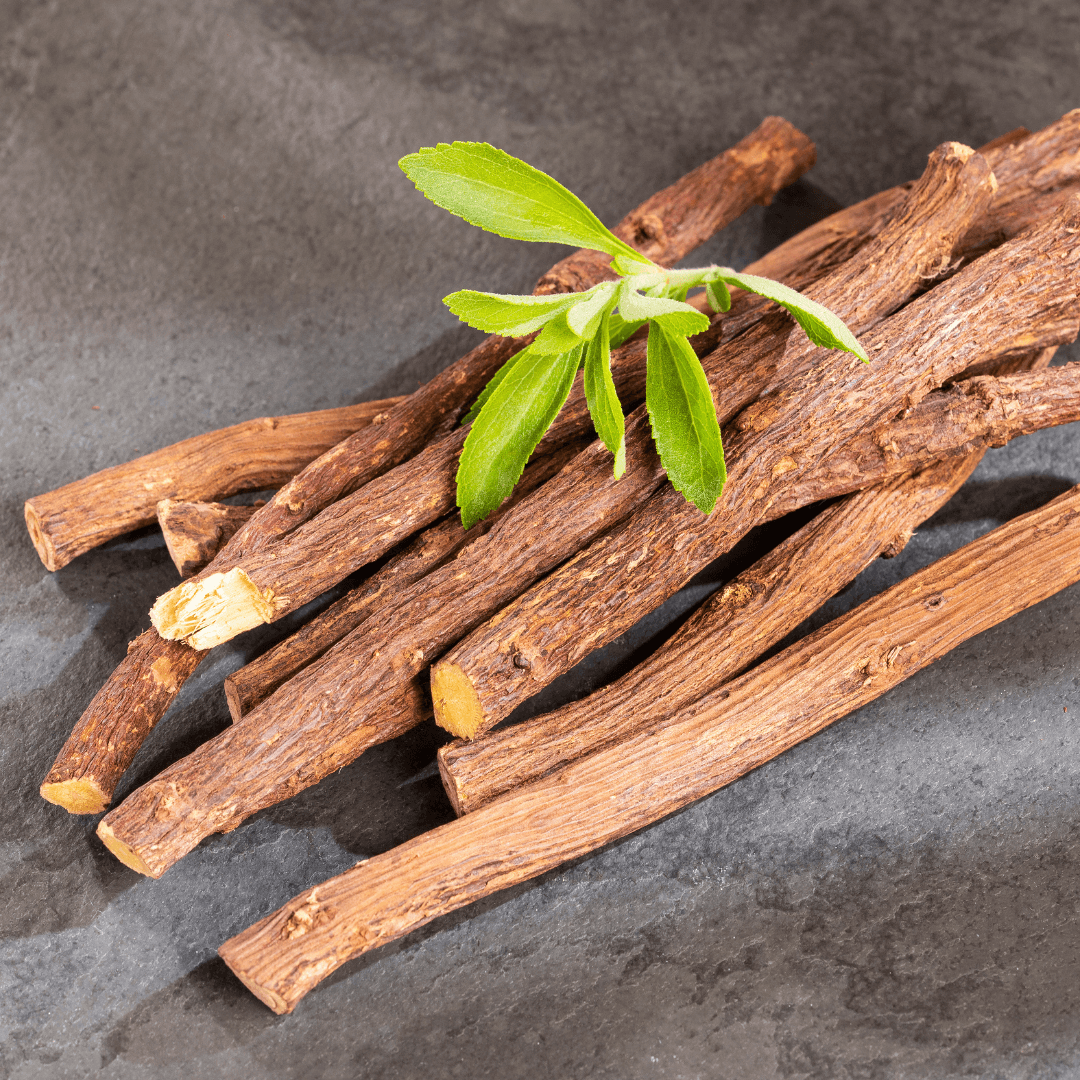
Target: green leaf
[683,418]
[556,337]
[621,330]
[679,318]
[584,317]
[718,296]
[627,265]
[489,389]
[510,316]
[603,400]
[511,423]
[821,325]
[501,194]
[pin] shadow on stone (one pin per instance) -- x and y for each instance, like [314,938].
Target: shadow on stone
[208,1010]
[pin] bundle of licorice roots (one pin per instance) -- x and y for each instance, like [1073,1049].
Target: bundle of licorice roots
[960,284]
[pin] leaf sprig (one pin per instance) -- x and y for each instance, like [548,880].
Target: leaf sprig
[501,194]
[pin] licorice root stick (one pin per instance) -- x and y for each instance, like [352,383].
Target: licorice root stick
[257,680]
[618,790]
[730,630]
[195,531]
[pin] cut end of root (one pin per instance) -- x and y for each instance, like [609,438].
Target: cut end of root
[232,698]
[457,706]
[76,796]
[211,610]
[124,853]
[40,539]
[449,781]
[270,998]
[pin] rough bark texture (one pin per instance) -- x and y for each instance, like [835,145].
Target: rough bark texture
[256,454]
[114,725]
[914,248]
[1032,171]
[1020,297]
[969,417]
[728,632]
[254,682]
[623,788]
[436,408]
[195,531]
[364,690]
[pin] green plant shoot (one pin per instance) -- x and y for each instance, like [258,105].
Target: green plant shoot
[501,194]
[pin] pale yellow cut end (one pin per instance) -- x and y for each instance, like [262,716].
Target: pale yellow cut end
[210,610]
[76,796]
[457,706]
[124,853]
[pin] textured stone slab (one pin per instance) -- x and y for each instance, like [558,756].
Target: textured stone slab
[202,222]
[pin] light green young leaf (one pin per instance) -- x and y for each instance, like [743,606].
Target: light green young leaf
[683,418]
[504,195]
[679,318]
[510,316]
[511,423]
[627,265]
[821,325]
[602,398]
[718,296]
[584,317]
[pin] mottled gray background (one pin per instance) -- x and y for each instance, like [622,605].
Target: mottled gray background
[201,220]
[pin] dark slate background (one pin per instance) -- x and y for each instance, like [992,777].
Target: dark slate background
[201,221]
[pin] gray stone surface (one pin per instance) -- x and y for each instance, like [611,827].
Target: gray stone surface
[202,221]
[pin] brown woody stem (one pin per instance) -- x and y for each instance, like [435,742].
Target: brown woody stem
[623,788]
[195,531]
[256,681]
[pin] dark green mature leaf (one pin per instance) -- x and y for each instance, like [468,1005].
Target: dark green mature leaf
[821,325]
[603,400]
[489,188]
[510,316]
[511,423]
[683,418]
